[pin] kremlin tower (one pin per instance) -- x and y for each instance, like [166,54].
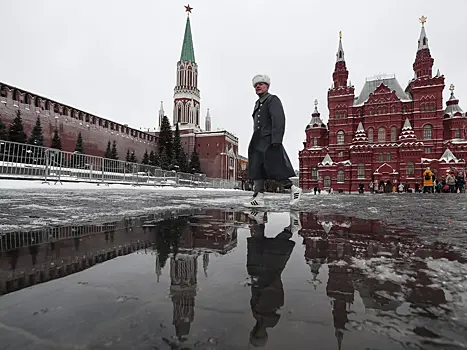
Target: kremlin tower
[186,93]
[217,150]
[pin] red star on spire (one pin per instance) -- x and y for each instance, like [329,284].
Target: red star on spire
[188,8]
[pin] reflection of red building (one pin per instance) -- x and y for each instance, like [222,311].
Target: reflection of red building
[337,240]
[385,134]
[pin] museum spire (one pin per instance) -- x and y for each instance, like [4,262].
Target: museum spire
[423,65]
[341,74]
[340,50]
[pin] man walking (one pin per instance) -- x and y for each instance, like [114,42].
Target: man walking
[267,158]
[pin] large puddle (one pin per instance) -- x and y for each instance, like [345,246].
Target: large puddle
[215,279]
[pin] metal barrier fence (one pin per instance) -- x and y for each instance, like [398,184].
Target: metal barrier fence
[24,161]
[16,239]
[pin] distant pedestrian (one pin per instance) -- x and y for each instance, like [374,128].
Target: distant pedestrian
[401,188]
[427,181]
[267,158]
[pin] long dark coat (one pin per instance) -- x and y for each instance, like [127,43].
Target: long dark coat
[266,259]
[264,160]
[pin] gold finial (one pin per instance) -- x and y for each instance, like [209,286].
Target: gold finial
[340,35]
[452,88]
[316,102]
[423,21]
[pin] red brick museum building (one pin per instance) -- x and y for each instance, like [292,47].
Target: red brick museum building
[385,134]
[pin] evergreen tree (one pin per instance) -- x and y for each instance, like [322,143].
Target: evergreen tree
[177,148]
[3,131]
[107,155]
[79,144]
[56,141]
[164,161]
[127,158]
[78,158]
[145,158]
[37,138]
[114,153]
[195,166]
[108,151]
[165,141]
[133,158]
[184,166]
[16,132]
[153,159]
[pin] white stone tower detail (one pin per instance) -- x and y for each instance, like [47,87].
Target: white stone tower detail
[186,93]
[161,114]
[208,121]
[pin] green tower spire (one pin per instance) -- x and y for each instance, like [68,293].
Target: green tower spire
[188,53]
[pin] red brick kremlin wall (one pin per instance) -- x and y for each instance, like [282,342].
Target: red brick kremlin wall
[96,131]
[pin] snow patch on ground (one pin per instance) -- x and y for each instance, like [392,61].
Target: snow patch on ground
[450,276]
[381,269]
[27,184]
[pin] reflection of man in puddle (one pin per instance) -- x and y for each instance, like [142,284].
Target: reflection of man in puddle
[266,259]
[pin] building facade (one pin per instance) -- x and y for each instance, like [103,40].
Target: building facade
[69,121]
[386,135]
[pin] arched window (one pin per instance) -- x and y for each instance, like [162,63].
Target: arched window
[393,134]
[410,170]
[340,176]
[404,109]
[340,137]
[361,171]
[381,134]
[327,181]
[427,132]
[370,135]
[314,173]
[179,114]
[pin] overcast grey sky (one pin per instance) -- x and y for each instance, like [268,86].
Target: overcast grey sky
[117,59]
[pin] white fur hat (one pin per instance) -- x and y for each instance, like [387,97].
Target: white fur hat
[261,78]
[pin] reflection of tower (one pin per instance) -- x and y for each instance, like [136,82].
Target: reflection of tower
[158,267]
[341,291]
[205,263]
[183,271]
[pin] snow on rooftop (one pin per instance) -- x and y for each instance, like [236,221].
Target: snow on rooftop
[448,157]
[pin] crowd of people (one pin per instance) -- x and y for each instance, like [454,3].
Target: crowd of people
[452,182]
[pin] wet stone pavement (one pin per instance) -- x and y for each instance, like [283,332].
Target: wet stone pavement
[223,279]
